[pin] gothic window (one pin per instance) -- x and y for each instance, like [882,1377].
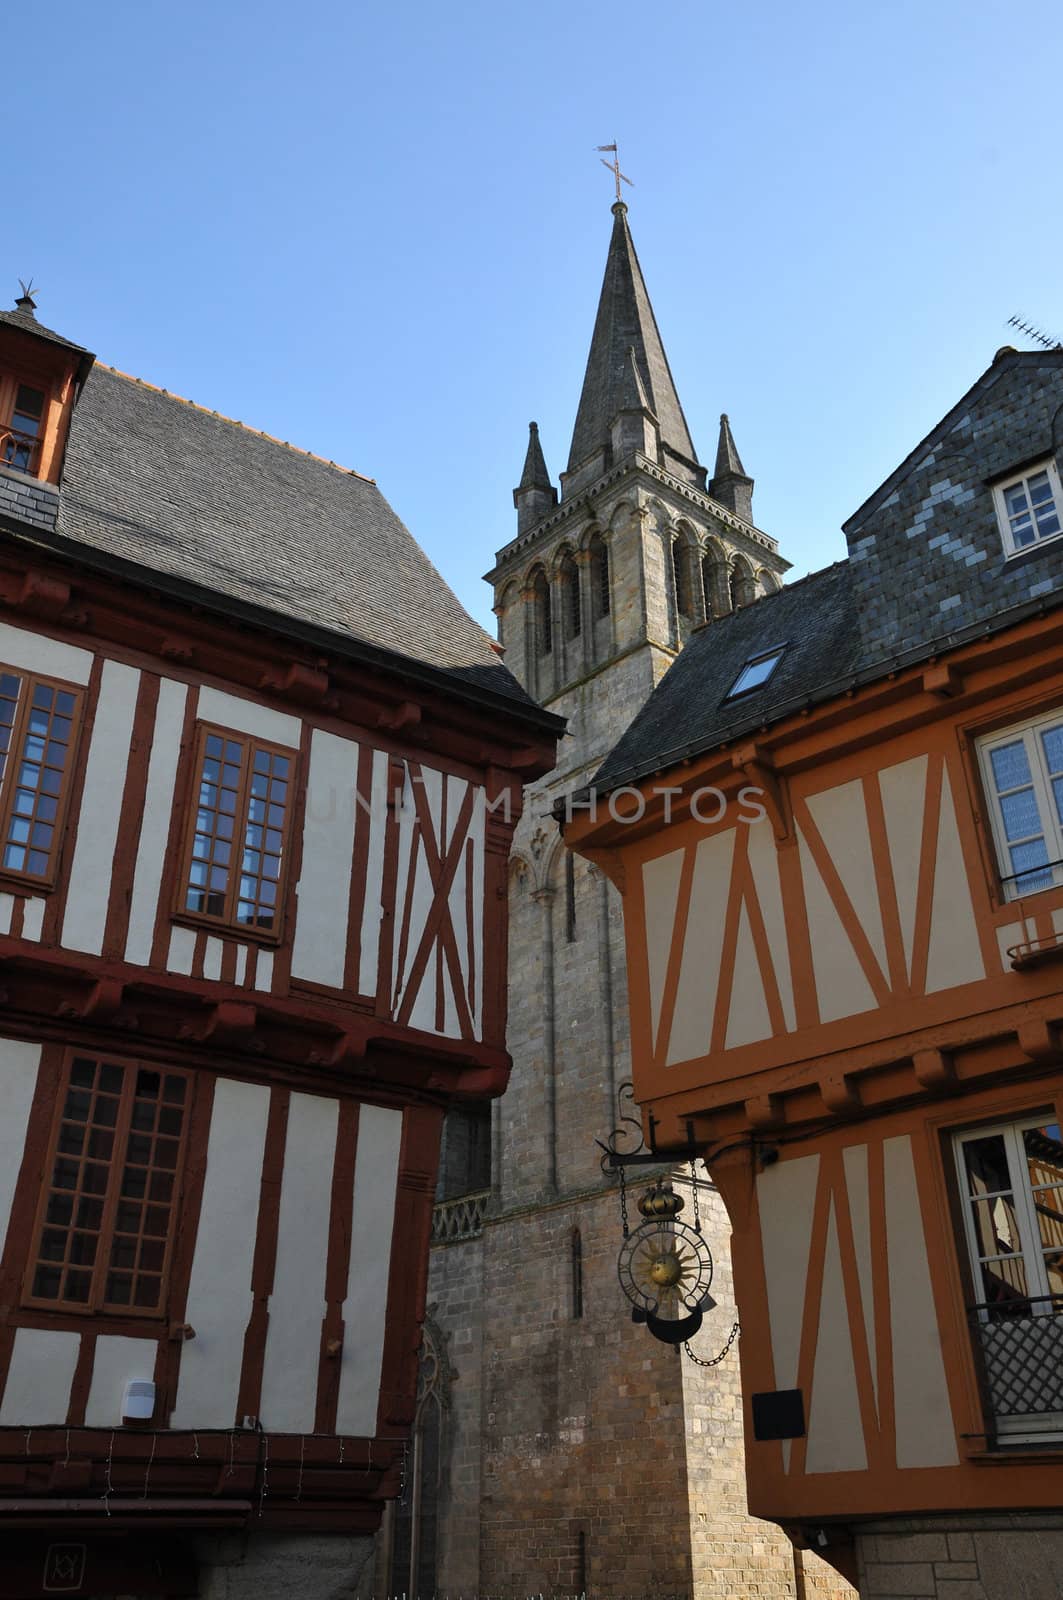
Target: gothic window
[576,1246]
[601,595]
[708,583]
[570,897]
[236,856]
[104,1233]
[38,725]
[413,1553]
[465,1152]
[544,633]
[743,586]
[681,579]
[570,598]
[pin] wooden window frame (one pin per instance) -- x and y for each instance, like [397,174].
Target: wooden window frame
[1027,730]
[227,923]
[1010,1128]
[95,1306]
[11,379]
[1047,465]
[30,680]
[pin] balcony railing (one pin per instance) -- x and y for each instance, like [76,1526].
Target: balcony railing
[19,449]
[1021,1344]
[462,1218]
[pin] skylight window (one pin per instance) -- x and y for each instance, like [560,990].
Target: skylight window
[756,672]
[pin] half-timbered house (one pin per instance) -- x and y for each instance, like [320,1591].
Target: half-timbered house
[836,827]
[258,776]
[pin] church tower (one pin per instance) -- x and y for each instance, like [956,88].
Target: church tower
[562,1449]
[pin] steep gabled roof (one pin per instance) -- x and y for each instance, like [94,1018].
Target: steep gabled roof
[183,492]
[625,320]
[1003,362]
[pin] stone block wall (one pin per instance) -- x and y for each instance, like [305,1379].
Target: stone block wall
[1016,1556]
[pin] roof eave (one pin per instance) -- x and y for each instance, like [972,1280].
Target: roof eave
[346,646]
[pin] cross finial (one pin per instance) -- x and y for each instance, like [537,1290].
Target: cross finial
[614,167]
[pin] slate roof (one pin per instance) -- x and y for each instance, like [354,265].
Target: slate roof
[26,322]
[625,320]
[183,492]
[688,712]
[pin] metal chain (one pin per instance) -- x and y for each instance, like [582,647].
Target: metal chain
[715,1362]
[623,1202]
[694,1192]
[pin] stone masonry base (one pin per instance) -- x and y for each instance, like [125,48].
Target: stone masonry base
[1017,1556]
[295,1567]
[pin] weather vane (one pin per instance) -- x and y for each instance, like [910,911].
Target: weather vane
[614,168]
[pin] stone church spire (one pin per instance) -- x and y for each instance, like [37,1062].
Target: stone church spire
[625,322]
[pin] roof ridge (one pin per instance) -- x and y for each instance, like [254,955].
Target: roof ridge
[259,433]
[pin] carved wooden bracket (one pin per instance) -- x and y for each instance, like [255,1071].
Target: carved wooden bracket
[757,764]
[933,1068]
[308,685]
[102,1001]
[840,1094]
[230,1022]
[43,596]
[943,679]
[406,715]
[765,1112]
[1036,1042]
[175,647]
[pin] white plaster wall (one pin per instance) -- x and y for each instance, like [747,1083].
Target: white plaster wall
[297,1304]
[37,1393]
[33,652]
[247,716]
[101,805]
[19,1064]
[375,1176]
[320,945]
[219,1294]
[155,823]
[117,1360]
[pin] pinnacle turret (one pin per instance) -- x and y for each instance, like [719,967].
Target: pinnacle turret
[731,485]
[535,495]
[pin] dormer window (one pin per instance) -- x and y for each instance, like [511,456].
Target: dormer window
[1029,507]
[756,672]
[22,410]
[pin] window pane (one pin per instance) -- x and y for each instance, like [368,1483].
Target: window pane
[986,1165]
[1021,816]
[996,1227]
[43,762]
[75,1251]
[1011,768]
[1026,857]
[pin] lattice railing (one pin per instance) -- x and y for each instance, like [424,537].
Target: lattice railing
[462,1218]
[1022,1352]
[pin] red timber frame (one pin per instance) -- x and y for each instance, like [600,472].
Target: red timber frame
[296,1037]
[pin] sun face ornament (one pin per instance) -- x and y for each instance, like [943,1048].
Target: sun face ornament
[665,1268]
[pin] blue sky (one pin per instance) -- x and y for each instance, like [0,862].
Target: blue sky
[379,231]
